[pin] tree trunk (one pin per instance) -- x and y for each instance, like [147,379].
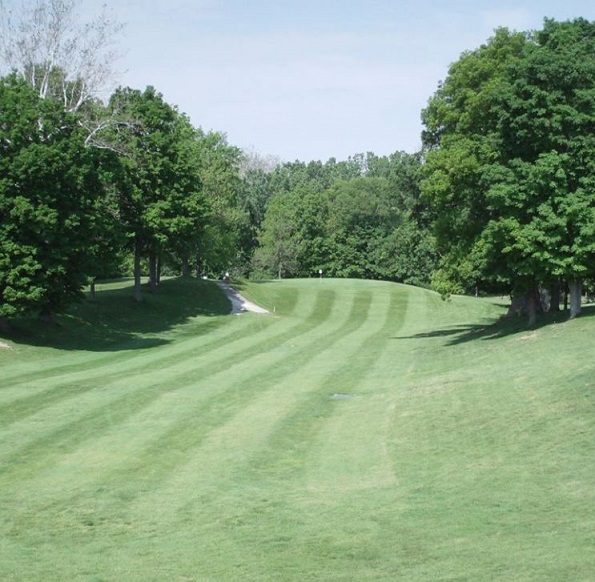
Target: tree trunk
[153,282]
[158,268]
[138,295]
[185,268]
[4,324]
[47,317]
[576,291]
[528,303]
[92,290]
[565,296]
[518,305]
[555,297]
[532,306]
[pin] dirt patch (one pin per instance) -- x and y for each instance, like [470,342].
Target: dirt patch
[4,346]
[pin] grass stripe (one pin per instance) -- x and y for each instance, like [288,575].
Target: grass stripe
[266,411]
[101,419]
[213,408]
[171,359]
[463,452]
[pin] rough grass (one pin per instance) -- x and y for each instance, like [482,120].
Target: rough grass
[363,431]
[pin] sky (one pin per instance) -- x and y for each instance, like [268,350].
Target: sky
[311,79]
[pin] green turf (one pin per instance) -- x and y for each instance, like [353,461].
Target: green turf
[361,431]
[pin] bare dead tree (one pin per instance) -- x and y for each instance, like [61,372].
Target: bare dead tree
[57,53]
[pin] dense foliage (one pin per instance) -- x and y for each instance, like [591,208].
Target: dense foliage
[362,218]
[501,198]
[510,163]
[49,184]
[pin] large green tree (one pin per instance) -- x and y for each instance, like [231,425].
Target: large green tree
[161,202]
[460,141]
[49,185]
[509,162]
[546,163]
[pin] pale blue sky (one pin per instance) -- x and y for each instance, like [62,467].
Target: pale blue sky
[311,79]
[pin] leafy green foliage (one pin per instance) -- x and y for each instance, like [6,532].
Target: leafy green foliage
[510,148]
[162,203]
[219,247]
[363,218]
[49,186]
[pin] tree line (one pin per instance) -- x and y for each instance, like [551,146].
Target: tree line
[362,218]
[500,199]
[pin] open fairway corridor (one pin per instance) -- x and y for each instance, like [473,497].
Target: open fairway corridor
[360,431]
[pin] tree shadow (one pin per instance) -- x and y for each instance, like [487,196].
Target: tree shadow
[503,327]
[114,321]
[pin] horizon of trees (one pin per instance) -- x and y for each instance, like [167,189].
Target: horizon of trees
[500,199]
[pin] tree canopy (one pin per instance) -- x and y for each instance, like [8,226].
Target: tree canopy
[360,218]
[501,197]
[49,183]
[509,171]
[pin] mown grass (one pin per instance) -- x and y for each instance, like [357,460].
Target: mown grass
[362,431]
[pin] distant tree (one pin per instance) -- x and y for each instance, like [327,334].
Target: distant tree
[362,214]
[254,196]
[256,190]
[278,244]
[219,165]
[361,218]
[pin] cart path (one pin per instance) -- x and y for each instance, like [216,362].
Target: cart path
[239,304]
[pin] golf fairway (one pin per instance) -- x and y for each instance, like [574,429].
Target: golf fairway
[359,431]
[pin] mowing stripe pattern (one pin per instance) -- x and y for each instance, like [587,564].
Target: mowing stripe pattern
[321,441]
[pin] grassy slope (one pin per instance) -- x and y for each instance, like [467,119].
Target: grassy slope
[365,431]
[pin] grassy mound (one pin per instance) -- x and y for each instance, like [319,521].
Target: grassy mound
[361,431]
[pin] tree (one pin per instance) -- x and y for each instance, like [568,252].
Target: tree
[460,141]
[49,183]
[548,149]
[408,253]
[161,201]
[219,171]
[509,160]
[362,214]
[56,54]
[256,190]
[372,224]
[278,245]
[255,193]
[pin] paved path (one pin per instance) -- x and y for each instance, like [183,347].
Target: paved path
[239,304]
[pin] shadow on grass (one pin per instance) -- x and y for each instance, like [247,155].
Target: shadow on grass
[504,327]
[114,321]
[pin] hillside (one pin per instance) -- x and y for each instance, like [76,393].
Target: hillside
[360,431]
